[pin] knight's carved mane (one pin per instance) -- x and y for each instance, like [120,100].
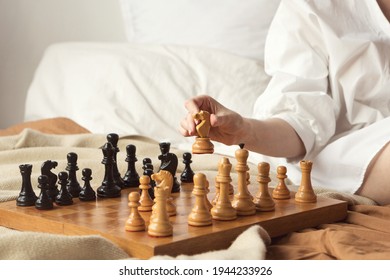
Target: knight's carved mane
[163,179]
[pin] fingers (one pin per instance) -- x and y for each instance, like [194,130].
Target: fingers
[201,102]
[215,121]
[193,106]
[187,126]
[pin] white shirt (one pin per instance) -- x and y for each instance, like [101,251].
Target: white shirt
[329,61]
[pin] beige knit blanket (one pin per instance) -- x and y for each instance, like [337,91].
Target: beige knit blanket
[34,148]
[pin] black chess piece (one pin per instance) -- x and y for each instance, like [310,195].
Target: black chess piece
[169,163]
[46,168]
[64,197]
[27,196]
[148,171]
[187,176]
[145,161]
[87,192]
[73,185]
[113,138]
[43,202]
[108,188]
[131,178]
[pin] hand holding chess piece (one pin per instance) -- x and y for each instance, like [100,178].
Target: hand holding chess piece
[202,143]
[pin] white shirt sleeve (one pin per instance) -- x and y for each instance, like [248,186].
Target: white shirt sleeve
[296,59]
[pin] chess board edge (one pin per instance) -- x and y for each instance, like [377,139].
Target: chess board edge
[194,240]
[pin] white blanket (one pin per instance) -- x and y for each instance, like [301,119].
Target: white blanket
[138,88]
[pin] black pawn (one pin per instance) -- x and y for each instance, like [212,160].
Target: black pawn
[131,178]
[108,188]
[113,138]
[46,168]
[145,161]
[187,176]
[87,193]
[148,171]
[73,185]
[27,196]
[64,197]
[43,202]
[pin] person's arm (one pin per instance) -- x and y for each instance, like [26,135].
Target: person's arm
[272,137]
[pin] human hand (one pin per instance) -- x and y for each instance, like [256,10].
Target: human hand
[226,125]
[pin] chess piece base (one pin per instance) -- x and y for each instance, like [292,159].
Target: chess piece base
[305,197]
[74,190]
[87,197]
[104,191]
[135,228]
[202,145]
[264,204]
[25,200]
[224,214]
[199,221]
[63,201]
[281,195]
[265,208]
[244,207]
[43,205]
[176,186]
[160,231]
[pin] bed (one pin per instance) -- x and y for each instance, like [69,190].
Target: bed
[83,90]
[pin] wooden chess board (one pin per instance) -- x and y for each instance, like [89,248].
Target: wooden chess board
[107,217]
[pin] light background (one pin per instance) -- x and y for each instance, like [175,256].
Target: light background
[28,27]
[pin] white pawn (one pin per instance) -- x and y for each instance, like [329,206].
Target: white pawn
[242,201]
[281,191]
[200,214]
[223,209]
[146,202]
[160,225]
[263,200]
[135,222]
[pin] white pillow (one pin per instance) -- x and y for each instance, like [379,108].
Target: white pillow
[236,26]
[138,89]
